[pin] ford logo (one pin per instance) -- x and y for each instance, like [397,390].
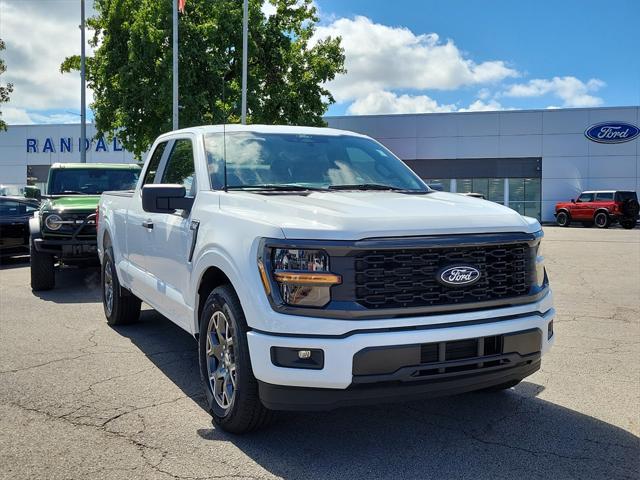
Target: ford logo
[459,275]
[612,132]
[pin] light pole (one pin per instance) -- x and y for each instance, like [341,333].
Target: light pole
[245,46]
[175,64]
[83,87]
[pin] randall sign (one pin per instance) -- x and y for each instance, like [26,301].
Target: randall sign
[612,132]
[68,144]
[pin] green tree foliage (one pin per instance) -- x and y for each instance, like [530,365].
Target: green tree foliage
[130,72]
[4,91]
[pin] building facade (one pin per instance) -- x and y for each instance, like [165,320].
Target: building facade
[28,151]
[527,160]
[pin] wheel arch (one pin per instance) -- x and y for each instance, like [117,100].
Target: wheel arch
[564,210]
[211,278]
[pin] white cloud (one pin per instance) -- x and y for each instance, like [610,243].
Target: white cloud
[384,102]
[20,116]
[38,36]
[381,57]
[482,106]
[571,90]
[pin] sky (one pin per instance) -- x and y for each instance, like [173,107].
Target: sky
[402,56]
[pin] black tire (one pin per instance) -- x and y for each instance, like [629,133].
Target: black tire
[628,223]
[43,273]
[123,307]
[245,412]
[563,219]
[501,387]
[602,220]
[587,224]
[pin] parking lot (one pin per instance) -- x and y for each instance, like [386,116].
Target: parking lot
[79,399]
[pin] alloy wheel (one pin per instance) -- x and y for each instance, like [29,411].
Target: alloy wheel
[108,287]
[221,363]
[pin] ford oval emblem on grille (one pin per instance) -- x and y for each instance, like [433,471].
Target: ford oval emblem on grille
[459,275]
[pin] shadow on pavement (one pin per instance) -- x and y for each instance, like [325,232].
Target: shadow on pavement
[14,261]
[74,285]
[511,434]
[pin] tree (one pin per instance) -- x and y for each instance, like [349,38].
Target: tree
[4,91]
[130,72]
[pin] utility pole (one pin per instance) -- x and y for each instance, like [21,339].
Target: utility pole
[175,64]
[245,46]
[83,88]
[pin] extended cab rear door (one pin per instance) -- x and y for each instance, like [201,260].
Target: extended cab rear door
[168,236]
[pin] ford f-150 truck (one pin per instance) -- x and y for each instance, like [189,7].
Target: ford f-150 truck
[316,270]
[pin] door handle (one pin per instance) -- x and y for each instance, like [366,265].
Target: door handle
[147,224]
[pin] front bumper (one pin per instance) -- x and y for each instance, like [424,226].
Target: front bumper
[71,248]
[335,384]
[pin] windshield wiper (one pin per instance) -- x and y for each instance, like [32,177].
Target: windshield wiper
[275,187]
[68,192]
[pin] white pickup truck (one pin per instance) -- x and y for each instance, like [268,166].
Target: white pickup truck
[316,270]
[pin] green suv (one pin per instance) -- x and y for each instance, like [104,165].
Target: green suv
[64,229]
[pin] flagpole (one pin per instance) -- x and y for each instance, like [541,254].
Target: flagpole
[83,86]
[175,64]
[245,43]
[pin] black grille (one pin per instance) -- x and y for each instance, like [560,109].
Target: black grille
[89,230]
[407,278]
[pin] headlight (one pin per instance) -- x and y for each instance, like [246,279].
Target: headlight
[302,275]
[540,271]
[53,222]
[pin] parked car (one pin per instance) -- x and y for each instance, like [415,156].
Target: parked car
[64,228]
[600,208]
[316,270]
[15,213]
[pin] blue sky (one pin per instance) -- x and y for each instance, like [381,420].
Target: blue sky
[541,39]
[402,56]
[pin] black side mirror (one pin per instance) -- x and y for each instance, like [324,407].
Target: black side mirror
[163,198]
[573,200]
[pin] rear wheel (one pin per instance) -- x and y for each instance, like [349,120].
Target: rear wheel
[43,274]
[563,219]
[628,223]
[225,366]
[602,220]
[120,306]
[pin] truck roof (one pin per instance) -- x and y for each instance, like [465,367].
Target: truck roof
[83,166]
[292,129]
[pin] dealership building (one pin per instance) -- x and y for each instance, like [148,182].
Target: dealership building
[527,160]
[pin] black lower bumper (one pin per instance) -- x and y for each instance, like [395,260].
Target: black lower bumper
[278,397]
[77,249]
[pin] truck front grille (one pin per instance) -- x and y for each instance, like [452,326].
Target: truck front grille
[408,277]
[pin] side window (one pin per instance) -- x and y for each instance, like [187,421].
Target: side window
[604,197]
[585,197]
[180,168]
[154,162]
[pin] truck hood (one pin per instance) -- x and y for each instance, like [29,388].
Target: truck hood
[71,203]
[355,215]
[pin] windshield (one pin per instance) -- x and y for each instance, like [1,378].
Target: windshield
[297,161]
[93,181]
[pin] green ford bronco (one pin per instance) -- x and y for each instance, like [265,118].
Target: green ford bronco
[64,229]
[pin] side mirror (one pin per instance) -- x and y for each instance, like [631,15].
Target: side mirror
[573,200]
[163,198]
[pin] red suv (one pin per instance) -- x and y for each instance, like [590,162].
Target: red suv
[602,208]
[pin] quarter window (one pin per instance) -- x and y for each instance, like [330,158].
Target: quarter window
[180,167]
[604,197]
[152,169]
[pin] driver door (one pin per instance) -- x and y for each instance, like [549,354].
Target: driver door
[583,208]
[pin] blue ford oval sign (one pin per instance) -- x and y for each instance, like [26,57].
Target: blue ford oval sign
[459,275]
[612,132]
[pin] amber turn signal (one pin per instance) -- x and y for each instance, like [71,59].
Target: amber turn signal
[307,278]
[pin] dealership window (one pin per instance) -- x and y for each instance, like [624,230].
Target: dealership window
[520,194]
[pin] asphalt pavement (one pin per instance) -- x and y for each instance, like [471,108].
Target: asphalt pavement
[81,400]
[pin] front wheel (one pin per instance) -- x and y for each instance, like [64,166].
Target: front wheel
[628,223]
[43,274]
[563,219]
[120,306]
[225,366]
[602,220]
